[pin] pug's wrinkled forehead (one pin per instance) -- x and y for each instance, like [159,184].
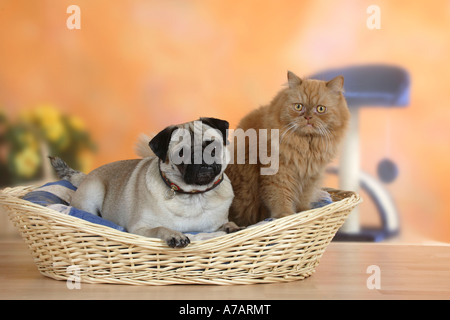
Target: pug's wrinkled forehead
[199,131]
[197,142]
[195,136]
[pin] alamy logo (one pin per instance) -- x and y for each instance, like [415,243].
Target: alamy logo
[74,20]
[74,280]
[258,142]
[374,280]
[253,152]
[374,20]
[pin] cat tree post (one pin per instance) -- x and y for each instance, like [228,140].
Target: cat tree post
[349,169]
[376,85]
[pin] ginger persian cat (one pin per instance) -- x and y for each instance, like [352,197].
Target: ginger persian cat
[312,117]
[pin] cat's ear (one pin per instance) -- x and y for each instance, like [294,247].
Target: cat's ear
[293,80]
[336,84]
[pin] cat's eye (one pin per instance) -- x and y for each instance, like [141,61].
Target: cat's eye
[298,106]
[321,109]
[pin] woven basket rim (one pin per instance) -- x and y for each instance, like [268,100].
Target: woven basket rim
[285,249]
[13,195]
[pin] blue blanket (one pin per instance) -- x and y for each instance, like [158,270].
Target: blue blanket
[57,196]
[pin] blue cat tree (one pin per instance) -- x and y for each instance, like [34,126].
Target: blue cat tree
[368,86]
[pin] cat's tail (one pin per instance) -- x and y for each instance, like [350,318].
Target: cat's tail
[67,173]
[141,147]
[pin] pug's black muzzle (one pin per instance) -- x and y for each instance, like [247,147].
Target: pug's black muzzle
[201,174]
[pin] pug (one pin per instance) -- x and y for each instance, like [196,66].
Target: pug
[181,188]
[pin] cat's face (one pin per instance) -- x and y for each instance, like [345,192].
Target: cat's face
[313,107]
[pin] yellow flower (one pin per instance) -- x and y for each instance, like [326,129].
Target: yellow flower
[27,162]
[47,114]
[50,120]
[54,132]
[76,123]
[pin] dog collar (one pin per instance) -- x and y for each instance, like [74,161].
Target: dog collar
[174,188]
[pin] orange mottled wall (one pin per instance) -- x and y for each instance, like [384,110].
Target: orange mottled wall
[138,66]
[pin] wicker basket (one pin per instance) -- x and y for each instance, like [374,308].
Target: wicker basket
[286,249]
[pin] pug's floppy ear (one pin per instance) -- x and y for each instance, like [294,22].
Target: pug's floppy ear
[160,143]
[218,124]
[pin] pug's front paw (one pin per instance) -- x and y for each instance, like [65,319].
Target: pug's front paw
[174,239]
[177,240]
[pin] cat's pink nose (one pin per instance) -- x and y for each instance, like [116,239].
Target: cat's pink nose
[307,117]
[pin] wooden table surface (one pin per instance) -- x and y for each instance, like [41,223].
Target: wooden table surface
[346,271]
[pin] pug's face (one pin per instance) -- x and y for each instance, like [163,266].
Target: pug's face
[194,154]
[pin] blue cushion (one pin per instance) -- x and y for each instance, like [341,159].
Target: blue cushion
[57,196]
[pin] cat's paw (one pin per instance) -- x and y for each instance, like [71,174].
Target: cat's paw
[231,227]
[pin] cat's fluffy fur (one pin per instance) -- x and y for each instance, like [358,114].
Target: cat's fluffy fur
[304,150]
